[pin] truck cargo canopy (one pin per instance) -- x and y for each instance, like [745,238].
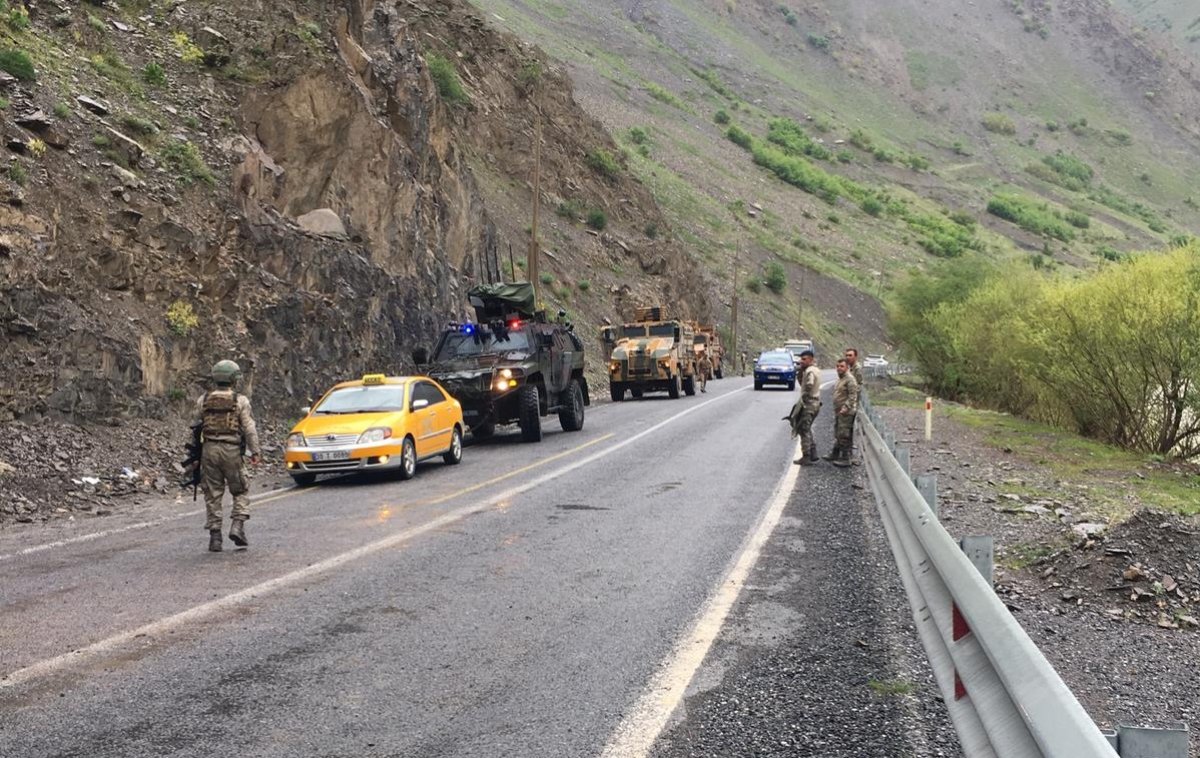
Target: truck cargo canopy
[498,300]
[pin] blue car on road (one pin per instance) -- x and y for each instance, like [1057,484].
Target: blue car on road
[775,367]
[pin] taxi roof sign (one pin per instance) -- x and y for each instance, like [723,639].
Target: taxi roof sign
[373,379]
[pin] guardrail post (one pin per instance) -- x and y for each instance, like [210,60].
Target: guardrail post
[1143,742]
[927,486]
[903,458]
[980,552]
[889,439]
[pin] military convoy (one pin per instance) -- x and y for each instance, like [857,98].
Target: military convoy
[511,365]
[652,353]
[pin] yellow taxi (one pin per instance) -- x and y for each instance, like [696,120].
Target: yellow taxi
[378,422]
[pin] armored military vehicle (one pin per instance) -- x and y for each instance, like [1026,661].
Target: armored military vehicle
[652,353]
[708,340]
[511,365]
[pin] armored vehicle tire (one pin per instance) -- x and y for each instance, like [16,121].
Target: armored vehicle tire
[484,430]
[758,385]
[689,386]
[617,392]
[674,389]
[408,459]
[304,480]
[453,456]
[530,413]
[637,393]
[571,415]
[791,386]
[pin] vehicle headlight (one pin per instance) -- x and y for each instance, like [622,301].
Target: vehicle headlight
[506,373]
[296,439]
[374,435]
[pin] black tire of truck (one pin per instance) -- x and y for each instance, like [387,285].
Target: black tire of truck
[689,386]
[673,390]
[530,417]
[616,392]
[571,415]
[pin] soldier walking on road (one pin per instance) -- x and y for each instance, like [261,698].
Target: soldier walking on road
[228,431]
[703,370]
[805,411]
[742,363]
[845,405]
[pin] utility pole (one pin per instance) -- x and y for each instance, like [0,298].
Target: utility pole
[803,277]
[534,247]
[733,320]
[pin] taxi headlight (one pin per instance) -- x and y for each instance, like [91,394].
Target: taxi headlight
[374,435]
[296,439]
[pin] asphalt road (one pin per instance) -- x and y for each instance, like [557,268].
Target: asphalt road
[519,604]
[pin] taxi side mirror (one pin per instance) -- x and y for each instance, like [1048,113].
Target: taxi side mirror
[419,404]
[420,356]
[306,410]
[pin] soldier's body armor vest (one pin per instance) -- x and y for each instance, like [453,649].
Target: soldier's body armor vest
[220,416]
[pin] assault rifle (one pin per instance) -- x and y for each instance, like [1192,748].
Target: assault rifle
[191,465]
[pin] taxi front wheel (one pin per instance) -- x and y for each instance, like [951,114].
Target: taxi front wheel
[453,456]
[304,480]
[408,459]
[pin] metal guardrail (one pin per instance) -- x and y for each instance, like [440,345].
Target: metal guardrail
[1003,696]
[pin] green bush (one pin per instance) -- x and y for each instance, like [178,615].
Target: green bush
[62,110]
[861,140]
[597,219]
[1077,219]
[917,162]
[740,137]
[790,136]
[17,173]
[445,77]
[663,96]
[776,278]
[651,230]
[845,156]
[638,135]
[1031,216]
[819,41]
[154,74]
[139,125]
[603,162]
[872,206]
[941,236]
[546,278]
[17,63]
[721,117]
[754,285]
[999,124]
[182,318]
[184,159]
[570,209]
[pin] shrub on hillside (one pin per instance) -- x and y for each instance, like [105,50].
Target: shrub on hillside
[999,124]
[597,219]
[17,63]
[740,137]
[794,140]
[445,77]
[603,162]
[721,117]
[1031,216]
[776,278]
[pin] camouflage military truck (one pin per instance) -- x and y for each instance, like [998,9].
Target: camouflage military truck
[707,340]
[511,365]
[650,354]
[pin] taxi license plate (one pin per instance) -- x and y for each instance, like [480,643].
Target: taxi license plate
[332,455]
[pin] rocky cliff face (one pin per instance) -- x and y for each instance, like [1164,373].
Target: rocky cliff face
[282,183]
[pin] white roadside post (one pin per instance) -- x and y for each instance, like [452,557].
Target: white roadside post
[928,419]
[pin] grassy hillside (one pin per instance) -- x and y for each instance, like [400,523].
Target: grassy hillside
[1177,18]
[867,141]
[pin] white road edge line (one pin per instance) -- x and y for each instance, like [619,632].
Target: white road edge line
[636,734]
[150,631]
[128,528]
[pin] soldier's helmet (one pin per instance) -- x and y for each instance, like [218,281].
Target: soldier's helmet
[226,372]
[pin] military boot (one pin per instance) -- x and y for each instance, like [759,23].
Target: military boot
[237,532]
[843,459]
[812,456]
[809,458]
[833,454]
[214,541]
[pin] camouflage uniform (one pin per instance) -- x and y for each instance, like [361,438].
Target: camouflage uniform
[845,405]
[805,411]
[856,370]
[227,425]
[704,371]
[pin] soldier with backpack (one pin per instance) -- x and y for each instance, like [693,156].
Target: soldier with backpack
[228,431]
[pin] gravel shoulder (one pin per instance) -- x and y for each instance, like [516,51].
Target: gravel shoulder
[1096,554]
[819,656]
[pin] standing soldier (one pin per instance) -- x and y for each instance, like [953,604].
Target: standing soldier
[229,430]
[703,368]
[851,357]
[845,405]
[805,411]
[742,360]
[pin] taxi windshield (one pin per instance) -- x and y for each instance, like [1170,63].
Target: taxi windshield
[387,398]
[460,345]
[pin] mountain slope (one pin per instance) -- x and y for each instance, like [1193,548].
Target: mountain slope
[938,110]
